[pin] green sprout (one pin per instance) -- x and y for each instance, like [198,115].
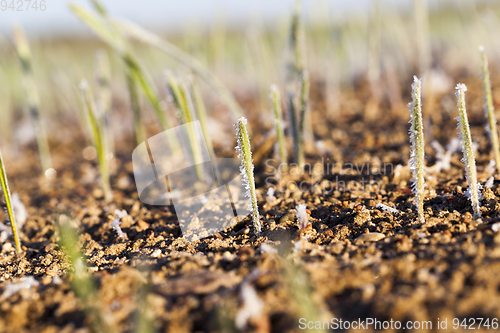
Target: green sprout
[184,103]
[24,53]
[295,64]
[202,117]
[469,161]
[304,104]
[103,80]
[417,147]
[8,204]
[489,109]
[135,104]
[136,32]
[245,154]
[292,116]
[81,283]
[295,73]
[98,130]
[134,69]
[278,120]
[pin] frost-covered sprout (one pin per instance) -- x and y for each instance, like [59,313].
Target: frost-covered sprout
[304,104]
[246,169]
[489,109]
[490,168]
[20,211]
[13,287]
[301,210]
[387,208]
[116,223]
[270,194]
[489,182]
[417,147]
[468,159]
[278,120]
[444,157]
[252,306]
[8,204]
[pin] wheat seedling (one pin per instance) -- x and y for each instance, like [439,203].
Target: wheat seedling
[135,104]
[302,216]
[246,168]
[24,53]
[278,120]
[136,71]
[469,161]
[136,32]
[96,121]
[81,283]
[292,115]
[142,80]
[189,116]
[417,147]
[184,104]
[8,204]
[202,117]
[295,64]
[140,34]
[489,110]
[104,97]
[304,104]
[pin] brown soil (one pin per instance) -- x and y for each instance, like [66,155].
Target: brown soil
[446,268]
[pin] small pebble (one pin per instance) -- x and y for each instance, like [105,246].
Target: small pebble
[371,237]
[156,253]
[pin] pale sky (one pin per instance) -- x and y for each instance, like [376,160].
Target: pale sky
[168,14]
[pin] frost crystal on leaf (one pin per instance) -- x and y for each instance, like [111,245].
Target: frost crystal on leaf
[417,147]
[252,306]
[246,169]
[301,210]
[270,194]
[443,158]
[20,211]
[470,164]
[490,169]
[116,223]
[13,287]
[387,208]
[489,182]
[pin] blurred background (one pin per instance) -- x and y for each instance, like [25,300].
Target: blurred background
[346,44]
[174,16]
